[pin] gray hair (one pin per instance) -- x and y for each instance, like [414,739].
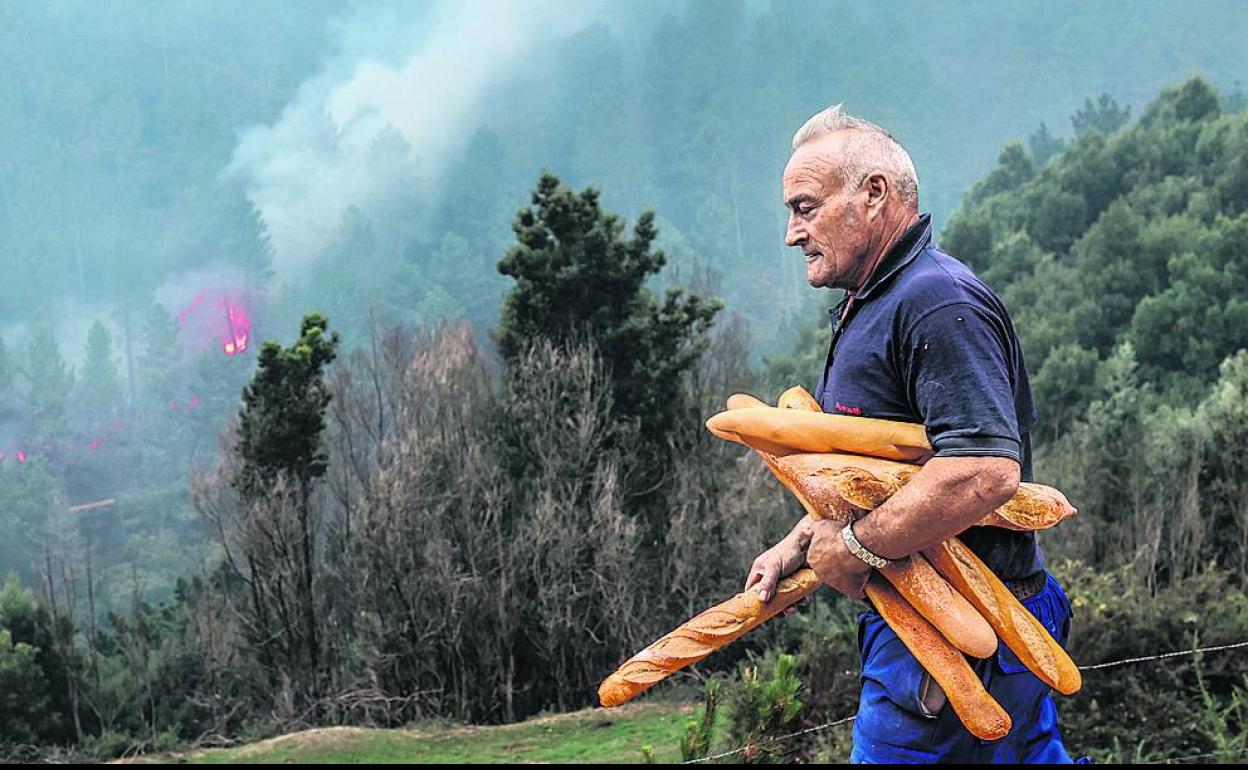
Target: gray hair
[868,148]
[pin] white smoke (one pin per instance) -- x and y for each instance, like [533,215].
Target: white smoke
[419,71]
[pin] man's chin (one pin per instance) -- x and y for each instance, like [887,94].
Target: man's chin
[819,280]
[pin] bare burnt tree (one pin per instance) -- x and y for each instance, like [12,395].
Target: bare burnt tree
[425,539]
[262,542]
[723,505]
[581,576]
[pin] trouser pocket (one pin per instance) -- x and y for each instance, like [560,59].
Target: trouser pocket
[891,719]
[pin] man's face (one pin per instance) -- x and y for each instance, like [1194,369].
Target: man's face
[826,220]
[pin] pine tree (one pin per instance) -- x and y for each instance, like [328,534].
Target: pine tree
[354,258]
[577,276]
[159,355]
[1043,145]
[283,411]
[1104,115]
[50,381]
[99,388]
[241,237]
[281,456]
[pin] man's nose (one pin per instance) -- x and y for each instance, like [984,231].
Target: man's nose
[795,235]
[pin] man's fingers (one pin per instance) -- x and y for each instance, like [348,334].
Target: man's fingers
[854,588]
[756,574]
[797,606]
[860,592]
[768,581]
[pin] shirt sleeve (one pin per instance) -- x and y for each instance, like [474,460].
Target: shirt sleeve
[957,371]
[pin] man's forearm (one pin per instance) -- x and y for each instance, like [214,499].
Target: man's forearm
[948,495]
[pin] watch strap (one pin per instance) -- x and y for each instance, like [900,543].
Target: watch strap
[859,550]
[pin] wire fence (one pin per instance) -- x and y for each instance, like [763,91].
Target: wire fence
[1092,667]
[1206,755]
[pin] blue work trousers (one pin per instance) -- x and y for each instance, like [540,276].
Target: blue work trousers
[891,727]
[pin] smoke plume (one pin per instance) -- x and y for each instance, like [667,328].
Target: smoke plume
[422,74]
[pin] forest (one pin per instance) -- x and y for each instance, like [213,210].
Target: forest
[432,446]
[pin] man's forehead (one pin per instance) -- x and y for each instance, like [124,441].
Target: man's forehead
[811,167]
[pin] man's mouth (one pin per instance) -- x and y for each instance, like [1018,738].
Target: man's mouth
[812,256]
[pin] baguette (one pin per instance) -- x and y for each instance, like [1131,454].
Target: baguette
[803,430]
[796,397]
[979,712]
[1019,629]
[949,611]
[838,479]
[744,401]
[1033,506]
[804,475]
[702,635]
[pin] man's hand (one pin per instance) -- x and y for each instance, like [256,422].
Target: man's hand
[831,560]
[782,559]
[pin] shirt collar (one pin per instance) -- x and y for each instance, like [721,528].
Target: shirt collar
[903,252]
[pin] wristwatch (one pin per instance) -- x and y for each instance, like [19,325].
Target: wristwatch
[857,549]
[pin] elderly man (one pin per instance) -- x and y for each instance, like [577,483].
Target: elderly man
[919,338]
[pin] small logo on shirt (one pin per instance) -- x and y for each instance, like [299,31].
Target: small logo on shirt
[847,409]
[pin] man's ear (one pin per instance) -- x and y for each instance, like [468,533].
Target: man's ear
[877,187]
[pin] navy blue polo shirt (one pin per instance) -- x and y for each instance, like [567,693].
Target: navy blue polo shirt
[925,340]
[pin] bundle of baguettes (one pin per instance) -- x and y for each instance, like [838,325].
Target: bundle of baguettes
[943,604]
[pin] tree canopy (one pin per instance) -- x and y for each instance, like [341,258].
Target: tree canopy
[578,278]
[283,413]
[1132,235]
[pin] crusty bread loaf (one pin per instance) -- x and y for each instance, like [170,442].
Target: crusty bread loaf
[836,479]
[796,397]
[863,489]
[979,712]
[830,464]
[1034,506]
[744,401]
[805,477]
[1019,629]
[803,430]
[946,609]
[702,635]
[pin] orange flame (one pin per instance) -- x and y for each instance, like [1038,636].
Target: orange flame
[239,331]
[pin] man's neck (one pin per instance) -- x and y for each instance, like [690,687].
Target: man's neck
[891,236]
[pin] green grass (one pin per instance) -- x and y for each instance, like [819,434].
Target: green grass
[592,735]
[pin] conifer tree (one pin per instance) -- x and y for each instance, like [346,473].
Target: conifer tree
[283,412]
[99,389]
[576,276]
[49,380]
[281,455]
[1104,115]
[159,355]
